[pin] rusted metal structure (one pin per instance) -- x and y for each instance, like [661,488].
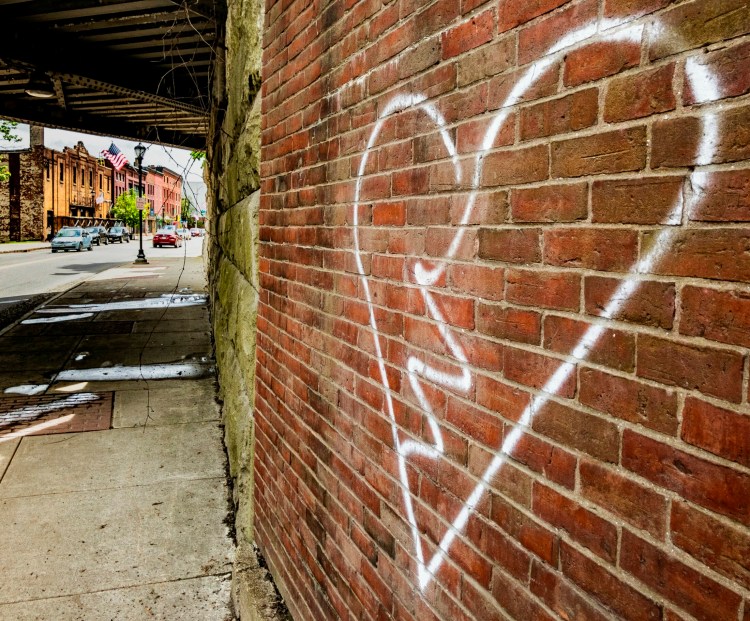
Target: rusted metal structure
[134,69]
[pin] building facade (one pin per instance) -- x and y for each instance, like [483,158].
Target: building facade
[77,186]
[49,189]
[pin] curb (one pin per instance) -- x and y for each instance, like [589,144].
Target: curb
[2,252]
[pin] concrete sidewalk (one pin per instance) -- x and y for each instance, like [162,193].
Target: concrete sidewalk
[10,247]
[113,494]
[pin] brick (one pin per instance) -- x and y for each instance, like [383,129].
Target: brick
[509,323]
[729,70]
[694,592]
[717,488]
[469,34]
[478,280]
[512,14]
[612,348]
[711,371]
[612,152]
[535,41]
[698,23]
[639,95]
[555,591]
[719,254]
[587,528]
[598,249]
[717,430]
[721,546]
[555,290]
[478,425]
[721,196]
[618,494]
[655,200]
[508,401]
[487,61]
[550,203]
[599,60]
[535,370]
[612,593]
[722,316]
[629,400]
[632,8]
[502,92]
[554,463]
[423,56]
[676,141]
[559,116]
[648,303]
[510,245]
[389,214]
[528,531]
[502,550]
[516,600]
[578,430]
[516,166]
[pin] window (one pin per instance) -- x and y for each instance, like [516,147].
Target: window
[75,175]
[91,178]
[47,167]
[62,172]
[100,181]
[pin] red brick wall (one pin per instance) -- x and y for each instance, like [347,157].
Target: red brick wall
[505,315]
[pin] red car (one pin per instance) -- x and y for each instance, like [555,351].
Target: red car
[167,237]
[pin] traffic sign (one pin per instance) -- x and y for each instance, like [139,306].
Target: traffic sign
[140,203]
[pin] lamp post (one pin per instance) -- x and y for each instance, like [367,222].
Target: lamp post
[140,150]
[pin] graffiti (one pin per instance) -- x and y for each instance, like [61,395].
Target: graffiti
[424,275]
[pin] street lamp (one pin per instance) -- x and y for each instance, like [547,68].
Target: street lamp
[140,150]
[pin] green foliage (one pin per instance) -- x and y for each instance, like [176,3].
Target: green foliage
[198,156]
[125,209]
[7,133]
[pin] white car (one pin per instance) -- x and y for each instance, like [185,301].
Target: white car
[184,233]
[71,238]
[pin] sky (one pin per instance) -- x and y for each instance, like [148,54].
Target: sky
[178,160]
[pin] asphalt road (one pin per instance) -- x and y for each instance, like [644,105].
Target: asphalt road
[28,274]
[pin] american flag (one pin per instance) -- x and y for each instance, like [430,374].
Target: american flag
[114,155]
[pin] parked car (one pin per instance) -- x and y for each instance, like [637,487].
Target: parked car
[71,238]
[118,233]
[196,232]
[184,233]
[167,237]
[98,235]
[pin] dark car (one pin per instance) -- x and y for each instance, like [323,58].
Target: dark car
[167,237]
[98,235]
[118,233]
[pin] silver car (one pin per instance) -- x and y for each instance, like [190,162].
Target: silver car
[72,238]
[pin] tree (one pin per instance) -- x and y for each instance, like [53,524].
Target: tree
[7,134]
[125,209]
[187,212]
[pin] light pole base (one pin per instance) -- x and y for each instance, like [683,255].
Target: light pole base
[141,258]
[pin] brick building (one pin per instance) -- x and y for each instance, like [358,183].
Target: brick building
[77,186]
[22,216]
[501,364]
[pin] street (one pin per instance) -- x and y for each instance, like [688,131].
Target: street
[23,275]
